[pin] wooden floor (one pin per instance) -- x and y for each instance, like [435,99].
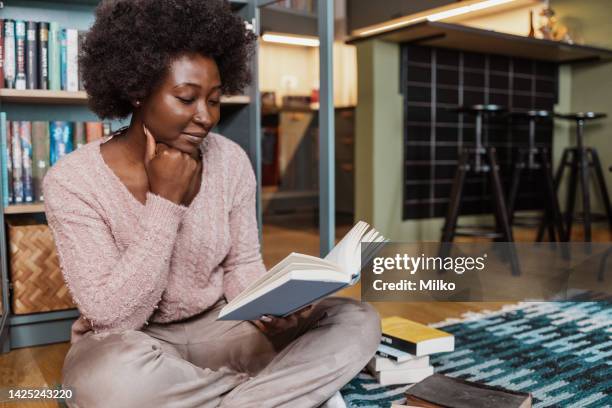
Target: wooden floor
[41,366]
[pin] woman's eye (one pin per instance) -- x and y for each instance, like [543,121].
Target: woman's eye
[184,100]
[214,102]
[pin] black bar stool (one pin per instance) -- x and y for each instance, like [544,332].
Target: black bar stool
[478,159]
[534,159]
[581,159]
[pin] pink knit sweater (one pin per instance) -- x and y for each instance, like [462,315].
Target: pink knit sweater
[126,263]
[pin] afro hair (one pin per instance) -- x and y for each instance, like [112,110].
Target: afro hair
[131,44]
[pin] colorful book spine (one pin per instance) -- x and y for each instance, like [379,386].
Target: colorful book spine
[9,160]
[72,58]
[61,140]
[43,55]
[31,56]
[4,160]
[17,163]
[55,81]
[26,151]
[10,45]
[63,44]
[40,156]
[79,134]
[82,35]
[93,131]
[1,53]
[20,41]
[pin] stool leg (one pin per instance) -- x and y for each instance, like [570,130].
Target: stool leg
[602,184]
[553,202]
[557,182]
[450,223]
[571,195]
[583,167]
[516,179]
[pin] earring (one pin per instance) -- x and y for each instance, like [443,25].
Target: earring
[137,103]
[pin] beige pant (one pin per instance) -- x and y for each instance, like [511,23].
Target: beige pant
[201,362]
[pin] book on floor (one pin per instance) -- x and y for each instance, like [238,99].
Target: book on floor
[442,391]
[415,338]
[394,354]
[299,280]
[378,363]
[407,376]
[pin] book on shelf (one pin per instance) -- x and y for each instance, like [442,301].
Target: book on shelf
[61,140]
[39,55]
[17,162]
[379,363]
[26,154]
[6,199]
[43,55]
[54,57]
[28,150]
[415,338]
[1,53]
[442,391]
[31,55]
[10,45]
[20,50]
[40,156]
[300,280]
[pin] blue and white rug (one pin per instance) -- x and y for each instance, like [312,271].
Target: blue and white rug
[561,352]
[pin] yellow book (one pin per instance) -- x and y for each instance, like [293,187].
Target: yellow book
[415,338]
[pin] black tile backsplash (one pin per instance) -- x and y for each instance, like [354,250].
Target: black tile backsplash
[434,82]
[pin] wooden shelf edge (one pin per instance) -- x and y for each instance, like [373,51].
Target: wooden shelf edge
[79,97]
[25,208]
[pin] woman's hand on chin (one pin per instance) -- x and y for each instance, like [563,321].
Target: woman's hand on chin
[271,325]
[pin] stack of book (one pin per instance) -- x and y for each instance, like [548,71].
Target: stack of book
[403,354]
[39,55]
[28,149]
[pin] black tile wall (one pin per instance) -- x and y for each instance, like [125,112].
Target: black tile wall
[434,82]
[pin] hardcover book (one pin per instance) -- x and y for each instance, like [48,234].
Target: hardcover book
[72,66]
[4,159]
[31,56]
[20,44]
[40,156]
[10,47]
[17,162]
[299,280]
[61,140]
[442,391]
[43,55]
[26,152]
[55,81]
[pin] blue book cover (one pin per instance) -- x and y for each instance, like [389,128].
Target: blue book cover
[61,140]
[63,40]
[20,43]
[26,151]
[4,159]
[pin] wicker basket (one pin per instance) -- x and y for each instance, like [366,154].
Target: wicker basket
[38,285]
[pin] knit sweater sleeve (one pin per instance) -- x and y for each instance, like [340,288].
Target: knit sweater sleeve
[113,289]
[243,264]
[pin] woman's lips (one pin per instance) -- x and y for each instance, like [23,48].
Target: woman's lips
[193,138]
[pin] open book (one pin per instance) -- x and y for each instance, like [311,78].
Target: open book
[299,280]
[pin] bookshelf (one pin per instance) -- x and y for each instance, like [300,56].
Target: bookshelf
[239,122]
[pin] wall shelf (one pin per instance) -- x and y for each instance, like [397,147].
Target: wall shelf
[80,97]
[460,37]
[25,208]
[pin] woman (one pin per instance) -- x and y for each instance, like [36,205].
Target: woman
[155,229]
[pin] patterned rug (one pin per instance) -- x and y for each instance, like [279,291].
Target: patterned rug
[561,352]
